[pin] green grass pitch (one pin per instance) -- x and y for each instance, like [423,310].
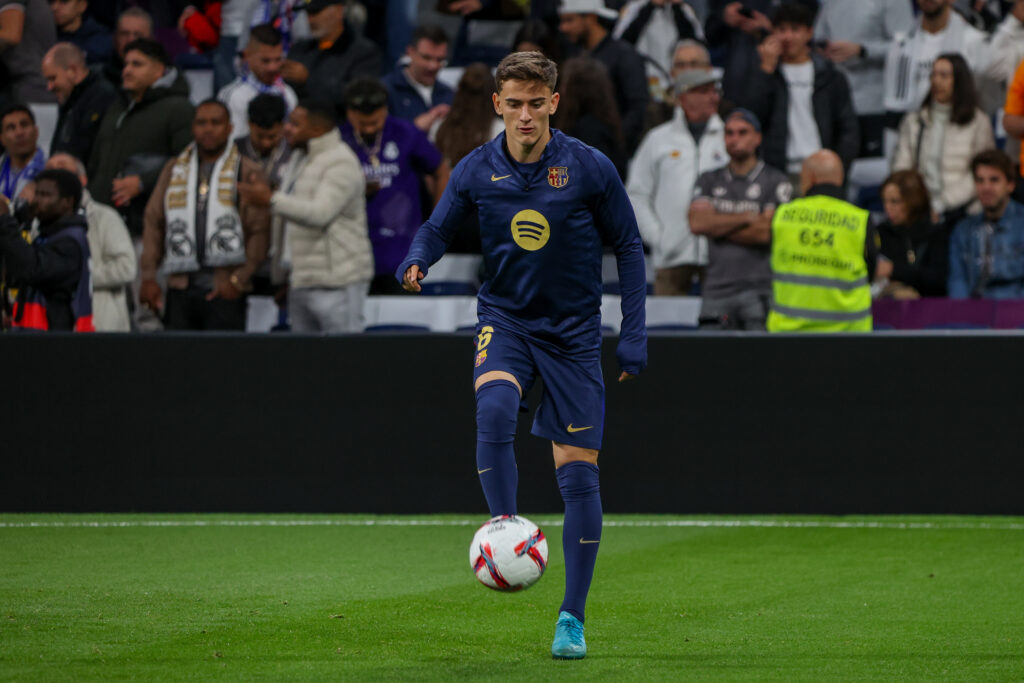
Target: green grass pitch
[288,597]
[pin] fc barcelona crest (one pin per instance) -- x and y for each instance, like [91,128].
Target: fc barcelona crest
[558,176]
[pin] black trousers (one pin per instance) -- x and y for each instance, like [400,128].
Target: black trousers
[188,309]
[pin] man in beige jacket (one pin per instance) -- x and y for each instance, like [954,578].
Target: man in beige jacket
[321,207]
[111,254]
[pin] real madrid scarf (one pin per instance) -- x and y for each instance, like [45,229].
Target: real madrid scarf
[225,243]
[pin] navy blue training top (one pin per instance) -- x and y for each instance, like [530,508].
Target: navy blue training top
[541,227]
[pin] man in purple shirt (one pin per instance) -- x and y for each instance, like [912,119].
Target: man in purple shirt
[405,176]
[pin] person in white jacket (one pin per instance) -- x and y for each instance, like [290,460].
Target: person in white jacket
[111,254]
[321,207]
[664,172]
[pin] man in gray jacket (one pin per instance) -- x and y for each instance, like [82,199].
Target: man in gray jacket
[320,210]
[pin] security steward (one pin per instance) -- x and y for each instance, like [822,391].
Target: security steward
[823,255]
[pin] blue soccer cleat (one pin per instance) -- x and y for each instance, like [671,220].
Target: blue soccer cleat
[569,642]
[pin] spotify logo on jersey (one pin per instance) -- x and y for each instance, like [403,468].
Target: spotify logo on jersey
[530,230]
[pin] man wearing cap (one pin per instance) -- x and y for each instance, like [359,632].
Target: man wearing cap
[322,65]
[733,208]
[581,22]
[663,173]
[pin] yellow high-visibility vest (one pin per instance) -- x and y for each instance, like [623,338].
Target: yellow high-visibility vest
[819,275]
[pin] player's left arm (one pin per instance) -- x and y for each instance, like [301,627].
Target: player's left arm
[614,216]
[434,236]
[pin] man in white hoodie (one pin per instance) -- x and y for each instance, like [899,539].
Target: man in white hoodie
[665,169]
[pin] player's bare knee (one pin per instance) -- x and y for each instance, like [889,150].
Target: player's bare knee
[497,375]
[564,454]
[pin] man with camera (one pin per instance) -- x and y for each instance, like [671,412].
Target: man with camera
[52,273]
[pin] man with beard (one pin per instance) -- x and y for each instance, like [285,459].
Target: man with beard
[322,205]
[984,249]
[207,237]
[263,56]
[733,207]
[82,97]
[52,273]
[395,156]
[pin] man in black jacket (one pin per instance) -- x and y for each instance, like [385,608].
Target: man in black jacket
[803,101]
[324,64]
[51,273]
[83,97]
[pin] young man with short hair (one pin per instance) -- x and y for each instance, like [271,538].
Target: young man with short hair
[52,273]
[263,56]
[802,100]
[22,159]
[546,202]
[265,143]
[414,92]
[984,249]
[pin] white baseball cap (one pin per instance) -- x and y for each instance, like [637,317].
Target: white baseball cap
[587,7]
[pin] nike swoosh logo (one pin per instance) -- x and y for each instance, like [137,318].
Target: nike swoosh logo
[583,541]
[573,430]
[486,470]
[495,178]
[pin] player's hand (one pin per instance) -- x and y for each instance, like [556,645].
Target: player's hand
[625,376]
[411,279]
[151,296]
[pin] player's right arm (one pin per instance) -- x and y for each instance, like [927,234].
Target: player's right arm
[434,236]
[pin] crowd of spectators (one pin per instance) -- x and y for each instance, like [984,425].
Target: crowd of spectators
[326,130]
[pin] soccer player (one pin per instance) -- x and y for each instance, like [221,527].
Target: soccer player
[545,202]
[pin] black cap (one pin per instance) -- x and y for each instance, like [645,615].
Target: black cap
[314,6]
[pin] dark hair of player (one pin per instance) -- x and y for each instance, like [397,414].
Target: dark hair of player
[526,66]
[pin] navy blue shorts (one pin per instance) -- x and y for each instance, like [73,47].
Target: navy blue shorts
[571,409]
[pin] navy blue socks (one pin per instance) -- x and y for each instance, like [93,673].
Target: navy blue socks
[497,411]
[581,491]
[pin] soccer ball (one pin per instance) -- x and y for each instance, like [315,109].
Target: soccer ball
[508,553]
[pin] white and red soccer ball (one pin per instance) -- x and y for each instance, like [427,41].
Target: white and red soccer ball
[508,553]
